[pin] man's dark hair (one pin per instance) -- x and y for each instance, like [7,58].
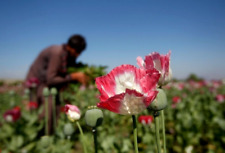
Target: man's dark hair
[77,42]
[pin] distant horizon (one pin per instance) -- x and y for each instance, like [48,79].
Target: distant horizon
[174,78]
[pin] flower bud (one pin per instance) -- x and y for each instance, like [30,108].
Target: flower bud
[53,91]
[160,102]
[94,117]
[68,129]
[73,113]
[46,91]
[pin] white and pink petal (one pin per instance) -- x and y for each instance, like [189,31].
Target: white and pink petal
[140,62]
[131,89]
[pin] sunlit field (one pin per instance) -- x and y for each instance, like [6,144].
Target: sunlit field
[194,120]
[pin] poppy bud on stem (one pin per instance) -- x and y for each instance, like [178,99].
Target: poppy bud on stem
[158,105]
[94,118]
[162,64]
[73,113]
[54,93]
[46,94]
[26,94]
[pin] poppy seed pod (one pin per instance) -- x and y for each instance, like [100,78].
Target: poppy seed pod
[160,102]
[94,117]
[26,91]
[45,141]
[46,91]
[68,129]
[26,94]
[11,93]
[53,91]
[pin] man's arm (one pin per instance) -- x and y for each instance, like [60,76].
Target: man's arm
[53,77]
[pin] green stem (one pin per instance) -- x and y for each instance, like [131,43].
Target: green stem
[164,133]
[95,139]
[157,133]
[135,133]
[82,136]
[46,115]
[54,113]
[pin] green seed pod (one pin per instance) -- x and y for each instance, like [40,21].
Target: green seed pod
[94,117]
[53,91]
[45,141]
[27,91]
[160,102]
[68,129]
[46,91]
[11,92]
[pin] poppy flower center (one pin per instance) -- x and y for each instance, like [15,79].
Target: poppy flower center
[126,81]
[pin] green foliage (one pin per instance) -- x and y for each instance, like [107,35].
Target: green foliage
[197,122]
[91,71]
[193,77]
[1,83]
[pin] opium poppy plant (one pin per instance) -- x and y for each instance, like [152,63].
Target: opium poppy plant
[127,90]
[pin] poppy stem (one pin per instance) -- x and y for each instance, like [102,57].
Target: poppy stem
[54,112]
[163,128]
[156,116]
[82,136]
[94,131]
[135,133]
[46,115]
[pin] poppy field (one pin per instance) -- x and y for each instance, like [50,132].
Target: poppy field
[194,122]
[128,110]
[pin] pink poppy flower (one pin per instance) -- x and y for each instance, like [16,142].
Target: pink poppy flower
[127,90]
[32,82]
[176,99]
[12,115]
[220,98]
[72,112]
[216,83]
[159,62]
[145,119]
[32,105]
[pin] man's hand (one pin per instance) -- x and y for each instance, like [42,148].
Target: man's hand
[80,77]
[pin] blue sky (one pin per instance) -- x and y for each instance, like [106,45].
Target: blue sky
[117,31]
